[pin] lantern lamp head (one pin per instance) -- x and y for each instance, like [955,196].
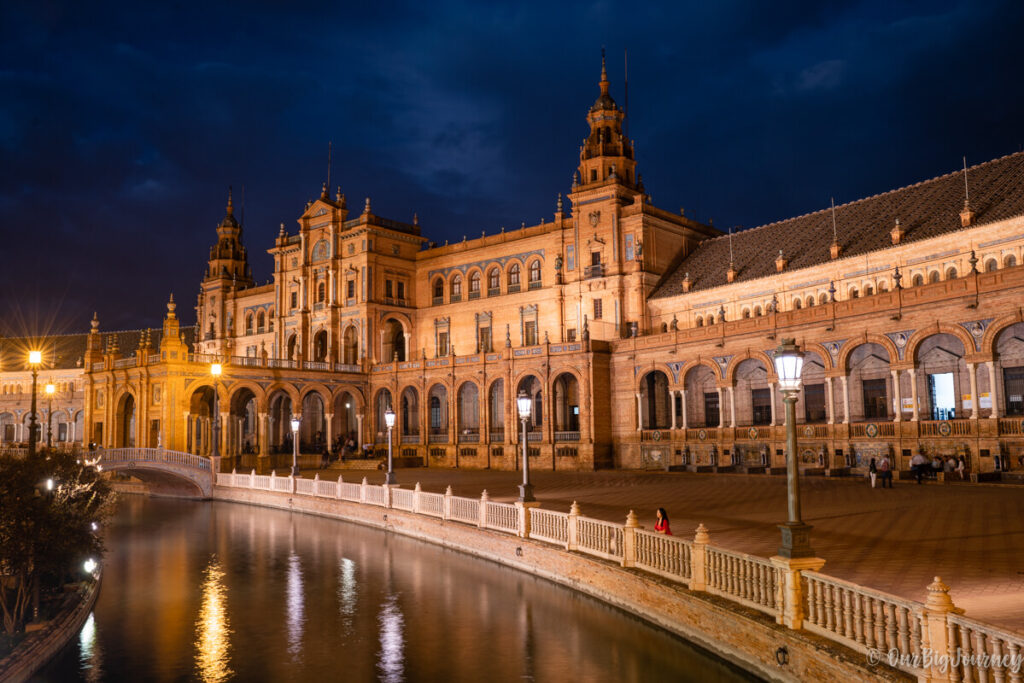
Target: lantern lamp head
[50,388]
[296,420]
[789,363]
[35,357]
[216,369]
[389,417]
[525,404]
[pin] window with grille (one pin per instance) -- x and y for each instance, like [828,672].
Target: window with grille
[597,309]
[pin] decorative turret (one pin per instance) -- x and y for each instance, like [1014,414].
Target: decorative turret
[94,343]
[228,259]
[170,341]
[606,154]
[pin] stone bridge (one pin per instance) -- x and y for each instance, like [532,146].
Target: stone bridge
[168,473]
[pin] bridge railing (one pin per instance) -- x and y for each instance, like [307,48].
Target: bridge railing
[157,455]
[789,592]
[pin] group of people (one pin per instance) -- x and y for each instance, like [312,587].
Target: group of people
[343,447]
[920,467]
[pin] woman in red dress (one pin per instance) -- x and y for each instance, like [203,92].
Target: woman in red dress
[661,526]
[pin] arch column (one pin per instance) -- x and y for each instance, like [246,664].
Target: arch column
[772,386]
[732,405]
[721,408]
[359,430]
[672,407]
[330,430]
[829,402]
[846,398]
[263,434]
[913,394]
[682,395]
[639,414]
[407,336]
[972,372]
[897,396]
[224,433]
[993,383]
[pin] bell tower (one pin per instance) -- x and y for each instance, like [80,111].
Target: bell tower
[228,259]
[606,155]
[227,271]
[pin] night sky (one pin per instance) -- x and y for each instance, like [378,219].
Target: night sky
[123,124]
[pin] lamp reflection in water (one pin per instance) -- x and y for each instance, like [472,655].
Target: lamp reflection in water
[347,592]
[391,664]
[90,653]
[213,642]
[296,605]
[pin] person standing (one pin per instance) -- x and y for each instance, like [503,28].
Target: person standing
[961,465]
[872,472]
[917,465]
[661,526]
[885,471]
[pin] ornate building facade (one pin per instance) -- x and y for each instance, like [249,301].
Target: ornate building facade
[642,337]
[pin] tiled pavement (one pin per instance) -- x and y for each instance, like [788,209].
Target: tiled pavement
[893,540]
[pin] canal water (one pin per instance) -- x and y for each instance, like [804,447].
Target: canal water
[220,591]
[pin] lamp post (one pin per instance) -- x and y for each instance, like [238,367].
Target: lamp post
[296,420]
[35,359]
[50,389]
[525,405]
[389,420]
[216,369]
[796,536]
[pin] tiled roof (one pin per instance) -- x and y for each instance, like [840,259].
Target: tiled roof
[63,351]
[925,210]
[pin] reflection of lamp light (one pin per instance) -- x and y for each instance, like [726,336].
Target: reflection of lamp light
[389,420]
[789,362]
[525,404]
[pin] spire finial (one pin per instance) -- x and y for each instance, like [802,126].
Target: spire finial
[171,306]
[231,204]
[415,218]
[366,208]
[558,206]
[323,191]
[95,323]
[604,74]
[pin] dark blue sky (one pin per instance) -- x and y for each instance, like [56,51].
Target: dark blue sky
[122,124]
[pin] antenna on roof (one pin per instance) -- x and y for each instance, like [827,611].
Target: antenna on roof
[328,185]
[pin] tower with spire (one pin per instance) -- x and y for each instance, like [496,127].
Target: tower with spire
[606,155]
[227,271]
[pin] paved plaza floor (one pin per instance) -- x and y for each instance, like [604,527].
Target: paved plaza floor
[895,540]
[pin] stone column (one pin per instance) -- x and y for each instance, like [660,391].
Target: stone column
[896,395]
[771,391]
[846,398]
[972,371]
[407,338]
[224,435]
[263,434]
[721,408]
[330,430]
[913,394]
[993,391]
[639,414]
[672,407]
[359,430]
[682,394]
[830,402]
[732,406]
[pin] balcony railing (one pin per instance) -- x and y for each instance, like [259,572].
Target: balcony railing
[316,365]
[534,436]
[437,438]
[494,291]
[469,437]
[497,435]
[567,436]
[410,438]
[596,270]
[346,367]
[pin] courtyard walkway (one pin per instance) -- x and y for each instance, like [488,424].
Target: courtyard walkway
[893,540]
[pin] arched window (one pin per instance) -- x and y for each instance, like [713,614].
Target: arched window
[456,288]
[810,301]
[757,311]
[1009,261]
[534,274]
[823,298]
[951,274]
[270,320]
[746,312]
[493,281]
[797,304]
[321,292]
[883,286]
[868,290]
[248,324]
[711,319]
[700,321]
[474,284]
[438,291]
[513,275]
[918,280]
[991,265]
[854,293]
[261,321]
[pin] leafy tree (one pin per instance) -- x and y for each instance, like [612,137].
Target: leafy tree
[46,533]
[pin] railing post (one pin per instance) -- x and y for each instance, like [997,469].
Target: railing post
[699,559]
[252,479]
[524,517]
[791,607]
[570,526]
[273,479]
[416,499]
[387,495]
[937,608]
[629,540]
[362,491]
[234,473]
[482,512]
[337,488]
[316,484]
[446,508]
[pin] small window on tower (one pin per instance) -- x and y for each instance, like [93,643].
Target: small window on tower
[593,175]
[350,289]
[401,291]
[597,309]
[295,300]
[389,289]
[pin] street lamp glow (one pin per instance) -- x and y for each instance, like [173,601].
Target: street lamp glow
[789,363]
[389,418]
[89,565]
[525,405]
[389,422]
[296,421]
[35,357]
[95,526]
[50,389]
[216,369]
[49,484]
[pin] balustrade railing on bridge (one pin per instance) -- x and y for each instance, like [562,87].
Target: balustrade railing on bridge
[855,616]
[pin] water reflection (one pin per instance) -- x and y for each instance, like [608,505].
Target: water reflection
[296,606]
[213,644]
[391,662]
[347,594]
[90,652]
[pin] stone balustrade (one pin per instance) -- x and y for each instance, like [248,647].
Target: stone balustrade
[930,640]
